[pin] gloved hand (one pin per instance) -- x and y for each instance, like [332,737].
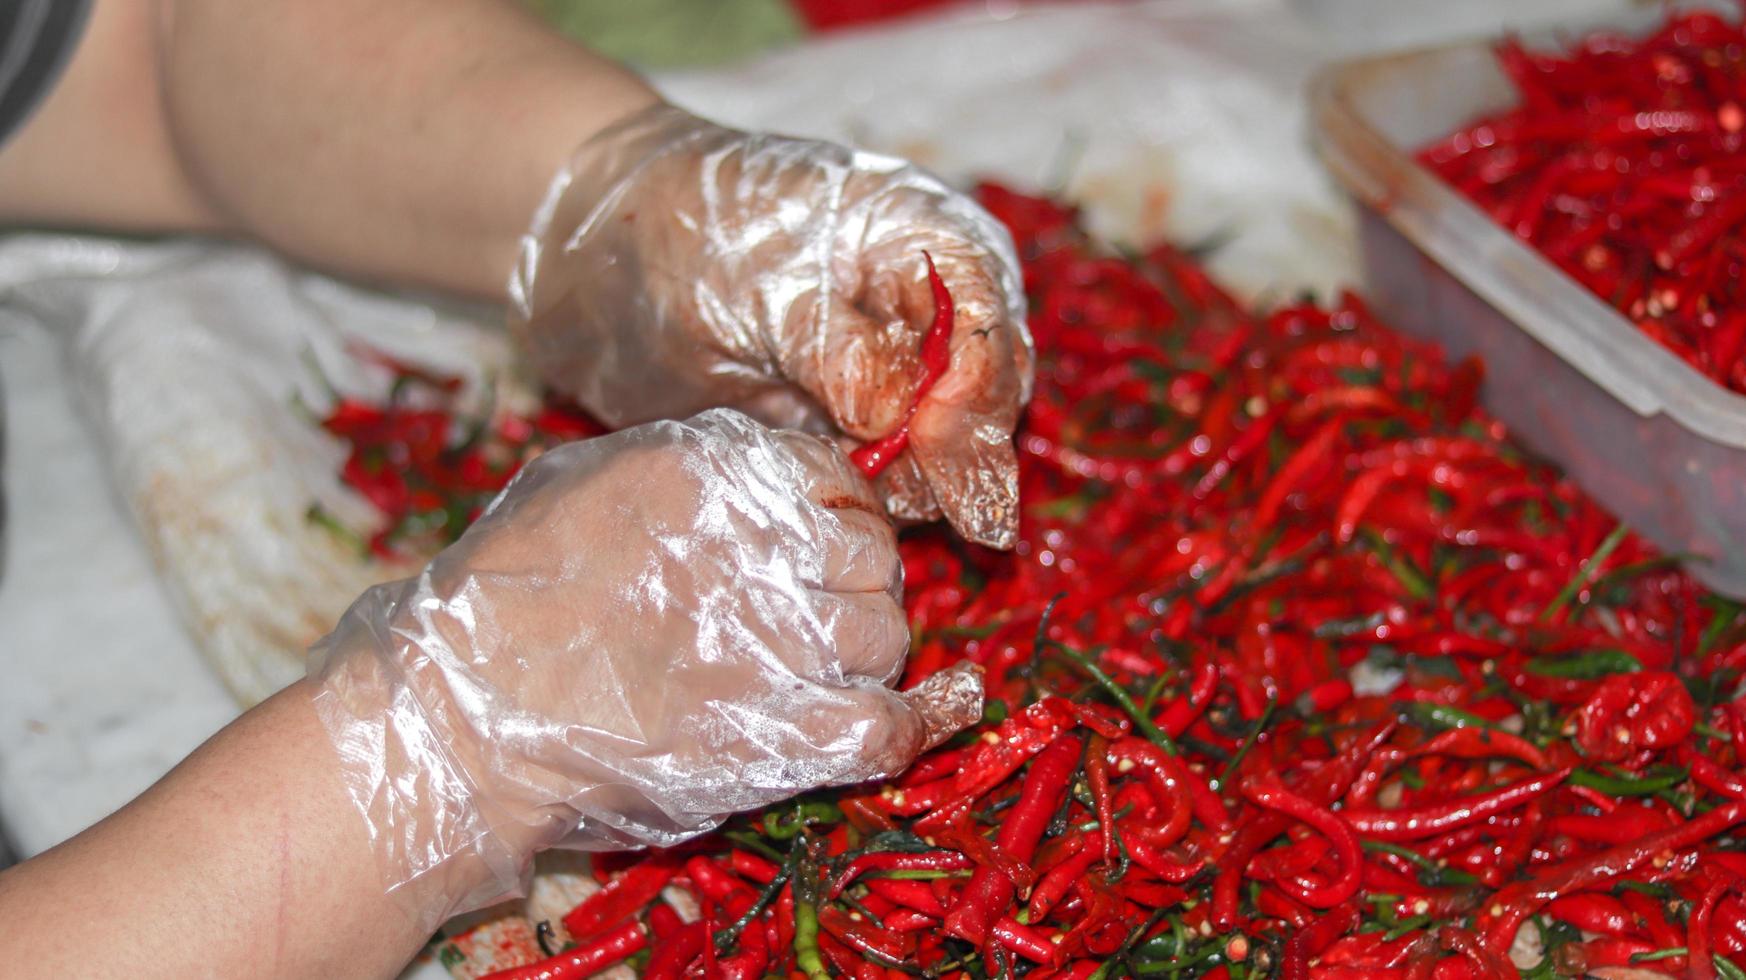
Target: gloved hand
[646,632]
[677,265]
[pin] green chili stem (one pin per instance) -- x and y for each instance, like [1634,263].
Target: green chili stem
[754,843]
[724,940]
[1583,574]
[1248,741]
[918,875]
[1405,853]
[318,515]
[1589,666]
[1626,786]
[807,955]
[1710,731]
[1727,614]
[1153,733]
[1410,578]
[1405,926]
[1441,716]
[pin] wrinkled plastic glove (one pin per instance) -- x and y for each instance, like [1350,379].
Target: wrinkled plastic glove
[644,633]
[678,265]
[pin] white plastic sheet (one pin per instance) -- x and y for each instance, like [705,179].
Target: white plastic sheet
[1176,119]
[198,366]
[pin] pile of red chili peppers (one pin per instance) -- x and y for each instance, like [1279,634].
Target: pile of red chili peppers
[1625,163]
[1300,669]
[427,466]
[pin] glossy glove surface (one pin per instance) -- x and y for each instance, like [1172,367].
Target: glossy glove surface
[645,633]
[678,265]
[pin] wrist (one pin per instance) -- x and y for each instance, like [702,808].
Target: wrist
[410,766]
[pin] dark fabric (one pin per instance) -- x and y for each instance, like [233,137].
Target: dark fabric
[36,39]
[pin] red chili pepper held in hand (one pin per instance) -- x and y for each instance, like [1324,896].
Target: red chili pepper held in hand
[936,355]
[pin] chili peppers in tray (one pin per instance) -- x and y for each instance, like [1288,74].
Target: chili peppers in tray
[1625,164]
[1299,669]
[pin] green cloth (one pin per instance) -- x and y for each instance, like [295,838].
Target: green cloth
[656,34]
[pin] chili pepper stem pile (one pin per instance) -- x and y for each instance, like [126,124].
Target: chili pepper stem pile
[1300,668]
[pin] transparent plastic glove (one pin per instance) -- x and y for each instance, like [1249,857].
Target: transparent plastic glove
[644,633]
[677,265]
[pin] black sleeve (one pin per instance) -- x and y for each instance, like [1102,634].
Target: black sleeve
[37,38]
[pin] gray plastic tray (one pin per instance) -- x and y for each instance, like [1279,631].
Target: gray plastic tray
[1658,443]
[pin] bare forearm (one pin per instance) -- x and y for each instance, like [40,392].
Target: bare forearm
[403,140]
[247,860]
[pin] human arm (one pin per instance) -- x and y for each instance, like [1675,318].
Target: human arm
[397,140]
[677,265]
[646,632]
[247,859]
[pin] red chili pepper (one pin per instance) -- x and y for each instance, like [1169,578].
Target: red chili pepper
[1024,940]
[1325,697]
[1594,913]
[1484,743]
[1651,916]
[1171,779]
[916,895]
[1516,902]
[1632,711]
[1183,711]
[1698,927]
[1294,959]
[584,961]
[1412,824]
[1103,798]
[754,955]
[1621,826]
[749,865]
[663,920]
[1053,886]
[1310,457]
[989,893]
[1330,926]
[713,882]
[1713,776]
[670,956]
[1153,859]
[936,355]
[1326,783]
[1266,790]
[897,861]
[863,936]
[621,897]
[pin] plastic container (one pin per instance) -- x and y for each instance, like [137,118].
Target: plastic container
[1656,442]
